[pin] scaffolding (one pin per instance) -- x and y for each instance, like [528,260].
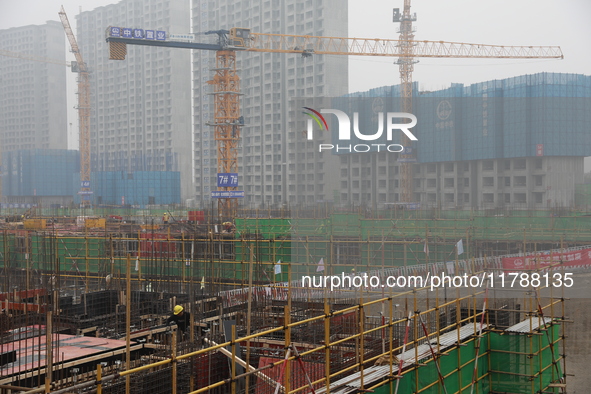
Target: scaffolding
[343,344]
[258,327]
[350,351]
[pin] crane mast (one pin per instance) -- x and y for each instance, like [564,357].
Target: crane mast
[226,106]
[83,111]
[406,66]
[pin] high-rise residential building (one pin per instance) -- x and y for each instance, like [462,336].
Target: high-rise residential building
[271,171]
[141,107]
[33,93]
[514,143]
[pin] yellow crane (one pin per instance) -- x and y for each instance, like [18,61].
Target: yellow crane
[73,65]
[83,111]
[226,82]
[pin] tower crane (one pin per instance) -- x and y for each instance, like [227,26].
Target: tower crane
[226,82]
[72,64]
[83,111]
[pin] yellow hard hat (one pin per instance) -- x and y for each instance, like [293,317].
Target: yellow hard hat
[177,309]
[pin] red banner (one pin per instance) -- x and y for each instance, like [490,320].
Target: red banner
[575,258]
[156,245]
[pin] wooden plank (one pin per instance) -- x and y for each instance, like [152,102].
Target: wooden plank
[66,365]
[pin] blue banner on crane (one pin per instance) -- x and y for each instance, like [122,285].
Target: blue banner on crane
[138,34]
[227,194]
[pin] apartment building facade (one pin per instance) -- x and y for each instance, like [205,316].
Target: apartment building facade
[518,142]
[141,107]
[33,92]
[272,171]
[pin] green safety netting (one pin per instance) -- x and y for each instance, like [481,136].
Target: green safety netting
[522,363]
[427,376]
[508,363]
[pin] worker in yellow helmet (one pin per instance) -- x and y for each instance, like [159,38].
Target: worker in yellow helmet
[228,227]
[181,318]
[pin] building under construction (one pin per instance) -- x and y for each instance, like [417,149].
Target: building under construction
[86,295]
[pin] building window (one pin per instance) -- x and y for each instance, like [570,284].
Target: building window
[431,182]
[488,165]
[538,180]
[539,197]
[519,164]
[431,168]
[467,182]
[507,181]
[488,198]
[449,197]
[448,167]
[520,181]
[488,181]
[520,198]
[538,164]
[448,182]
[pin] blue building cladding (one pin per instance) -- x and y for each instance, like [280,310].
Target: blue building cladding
[136,188]
[546,114]
[56,172]
[134,161]
[39,172]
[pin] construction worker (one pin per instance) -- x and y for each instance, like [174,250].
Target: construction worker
[181,318]
[165,217]
[228,227]
[183,321]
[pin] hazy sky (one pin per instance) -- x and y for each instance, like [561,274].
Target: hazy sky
[499,22]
